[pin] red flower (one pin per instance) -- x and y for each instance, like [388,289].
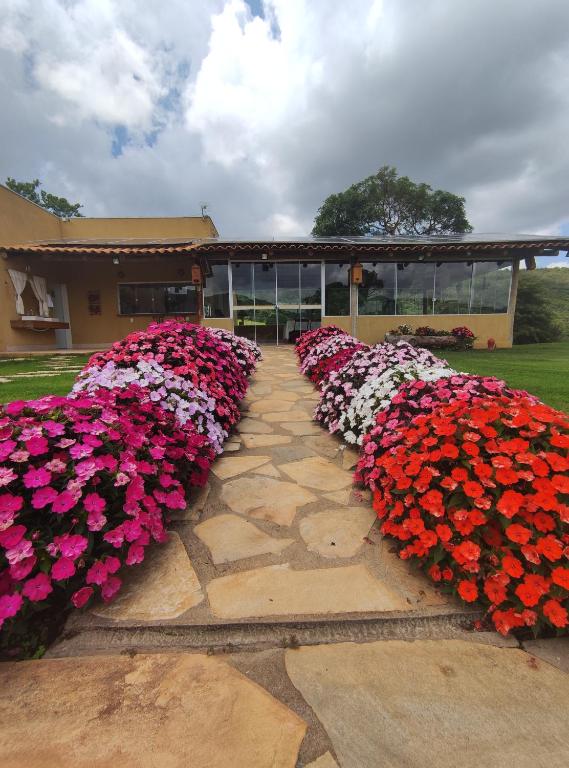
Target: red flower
[550,547]
[518,533]
[468,590]
[509,503]
[512,566]
[473,489]
[560,576]
[556,613]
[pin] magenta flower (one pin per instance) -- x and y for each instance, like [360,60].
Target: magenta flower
[37,446]
[43,496]
[110,588]
[10,503]
[81,597]
[64,502]
[94,503]
[71,545]
[37,588]
[9,606]
[7,476]
[12,536]
[23,568]
[97,573]
[37,478]
[62,569]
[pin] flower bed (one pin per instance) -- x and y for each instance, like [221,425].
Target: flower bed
[87,481]
[470,477]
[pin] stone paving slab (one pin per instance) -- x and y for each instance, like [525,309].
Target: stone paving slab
[230,538]
[435,704]
[277,590]
[553,650]
[230,466]
[266,499]
[264,441]
[164,586]
[324,761]
[148,711]
[255,426]
[318,473]
[336,533]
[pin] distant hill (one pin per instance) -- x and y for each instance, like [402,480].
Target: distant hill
[554,282]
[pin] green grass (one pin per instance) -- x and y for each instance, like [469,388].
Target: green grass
[32,388]
[542,369]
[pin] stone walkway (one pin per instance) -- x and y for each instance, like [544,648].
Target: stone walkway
[225,646]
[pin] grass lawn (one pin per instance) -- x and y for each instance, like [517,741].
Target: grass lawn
[542,369]
[32,387]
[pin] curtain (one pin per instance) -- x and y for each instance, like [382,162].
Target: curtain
[19,280]
[39,287]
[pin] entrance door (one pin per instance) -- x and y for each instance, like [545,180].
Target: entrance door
[274,302]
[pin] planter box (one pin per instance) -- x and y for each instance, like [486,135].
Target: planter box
[429,342]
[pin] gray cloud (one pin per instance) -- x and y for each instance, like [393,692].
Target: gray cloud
[264,117]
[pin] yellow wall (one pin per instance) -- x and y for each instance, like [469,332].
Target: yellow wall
[23,222]
[218,322]
[345,322]
[182,227]
[372,329]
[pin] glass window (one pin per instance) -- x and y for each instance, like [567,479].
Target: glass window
[242,281]
[157,299]
[216,292]
[376,293]
[310,283]
[264,284]
[415,288]
[337,290]
[287,284]
[491,287]
[452,288]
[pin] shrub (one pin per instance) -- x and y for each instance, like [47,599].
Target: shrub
[310,339]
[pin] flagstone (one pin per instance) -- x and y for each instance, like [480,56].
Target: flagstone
[340,497]
[284,394]
[142,711]
[287,416]
[268,470]
[254,426]
[164,586]
[323,443]
[271,404]
[350,458]
[317,472]
[196,503]
[231,466]
[277,590]
[231,447]
[300,429]
[230,537]
[336,532]
[324,761]
[262,441]
[435,704]
[266,499]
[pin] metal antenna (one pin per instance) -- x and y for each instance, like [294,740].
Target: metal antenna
[204,207]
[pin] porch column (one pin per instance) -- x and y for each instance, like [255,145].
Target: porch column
[513,297]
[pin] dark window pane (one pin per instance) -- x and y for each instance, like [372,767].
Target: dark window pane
[337,290]
[264,284]
[491,287]
[310,283]
[287,284]
[242,278]
[376,293]
[180,299]
[415,288]
[452,288]
[216,292]
[127,300]
[144,298]
[157,299]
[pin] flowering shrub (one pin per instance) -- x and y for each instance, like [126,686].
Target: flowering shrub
[422,397]
[377,393]
[425,330]
[85,485]
[310,339]
[318,362]
[477,492]
[171,392]
[464,336]
[342,385]
[247,352]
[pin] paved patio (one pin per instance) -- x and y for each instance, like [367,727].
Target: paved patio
[226,645]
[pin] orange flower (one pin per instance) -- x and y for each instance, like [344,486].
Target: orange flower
[506,476]
[509,503]
[518,533]
[472,489]
[543,522]
[443,532]
[560,576]
[512,566]
[495,590]
[550,547]
[466,551]
[556,613]
[468,590]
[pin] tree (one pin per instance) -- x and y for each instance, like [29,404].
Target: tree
[388,204]
[534,322]
[60,206]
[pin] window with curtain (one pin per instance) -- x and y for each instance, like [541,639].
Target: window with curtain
[491,287]
[415,282]
[216,292]
[157,298]
[376,293]
[452,288]
[337,301]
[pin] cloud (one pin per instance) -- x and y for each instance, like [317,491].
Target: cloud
[262,109]
[559,264]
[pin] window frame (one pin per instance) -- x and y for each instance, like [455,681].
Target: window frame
[168,283]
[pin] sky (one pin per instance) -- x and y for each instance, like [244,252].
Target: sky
[261,109]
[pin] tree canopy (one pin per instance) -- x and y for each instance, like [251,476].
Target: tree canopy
[60,206]
[541,306]
[389,204]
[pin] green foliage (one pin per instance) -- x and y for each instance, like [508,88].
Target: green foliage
[554,283]
[59,206]
[386,203]
[535,321]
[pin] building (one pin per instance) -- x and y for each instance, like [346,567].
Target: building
[83,283]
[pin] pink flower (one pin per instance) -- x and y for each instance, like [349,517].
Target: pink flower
[112,564]
[43,496]
[71,545]
[81,597]
[37,588]
[23,568]
[12,536]
[135,554]
[6,448]
[36,446]
[37,478]
[97,573]
[64,502]
[9,606]
[110,588]
[19,552]
[62,569]
[95,521]
[114,537]
[94,503]
[10,503]
[7,476]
